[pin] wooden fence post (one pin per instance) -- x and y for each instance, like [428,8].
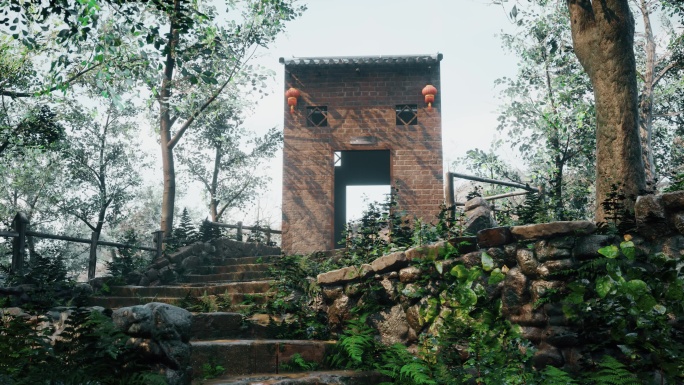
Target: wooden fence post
[159,243]
[20,224]
[92,261]
[239,232]
[449,195]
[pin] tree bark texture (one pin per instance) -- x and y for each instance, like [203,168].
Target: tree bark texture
[165,123]
[646,103]
[603,38]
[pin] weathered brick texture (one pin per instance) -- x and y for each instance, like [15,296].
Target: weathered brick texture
[361,96]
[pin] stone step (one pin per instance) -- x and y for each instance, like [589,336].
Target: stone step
[227,277]
[332,377]
[217,261]
[219,269]
[239,357]
[118,302]
[195,290]
[236,299]
[229,325]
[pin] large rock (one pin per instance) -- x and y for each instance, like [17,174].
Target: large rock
[587,247]
[673,201]
[515,293]
[650,216]
[393,326]
[344,274]
[552,229]
[478,217]
[161,333]
[527,262]
[494,237]
[394,261]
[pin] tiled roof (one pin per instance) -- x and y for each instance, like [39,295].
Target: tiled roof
[359,60]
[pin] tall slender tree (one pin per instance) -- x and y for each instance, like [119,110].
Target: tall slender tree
[224,158]
[548,110]
[198,65]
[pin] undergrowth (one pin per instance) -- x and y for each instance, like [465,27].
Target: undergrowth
[89,350]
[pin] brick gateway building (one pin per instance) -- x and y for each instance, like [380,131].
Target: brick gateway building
[357,121]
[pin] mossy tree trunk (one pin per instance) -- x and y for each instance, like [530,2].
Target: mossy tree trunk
[603,38]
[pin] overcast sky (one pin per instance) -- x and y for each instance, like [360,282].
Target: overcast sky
[464,31]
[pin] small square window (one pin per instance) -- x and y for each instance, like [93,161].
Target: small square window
[317,116]
[407,114]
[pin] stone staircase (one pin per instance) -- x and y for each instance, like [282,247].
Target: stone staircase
[238,344]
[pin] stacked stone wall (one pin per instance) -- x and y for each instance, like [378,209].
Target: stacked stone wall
[530,255]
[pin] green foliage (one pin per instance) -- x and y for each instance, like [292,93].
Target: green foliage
[48,276]
[89,349]
[397,363]
[551,375]
[629,299]
[532,210]
[207,303]
[613,372]
[356,347]
[210,371]
[677,183]
[297,363]
[185,234]
[126,260]
[291,295]
[207,231]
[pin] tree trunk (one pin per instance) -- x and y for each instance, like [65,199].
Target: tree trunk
[557,189]
[213,203]
[165,123]
[603,38]
[646,104]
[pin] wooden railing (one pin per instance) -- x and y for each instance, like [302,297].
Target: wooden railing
[20,227]
[449,188]
[240,229]
[21,224]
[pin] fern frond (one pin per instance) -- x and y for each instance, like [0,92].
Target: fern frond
[612,372]
[554,376]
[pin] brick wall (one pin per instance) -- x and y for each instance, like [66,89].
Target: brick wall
[361,100]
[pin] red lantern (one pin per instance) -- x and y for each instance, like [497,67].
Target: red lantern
[292,94]
[429,92]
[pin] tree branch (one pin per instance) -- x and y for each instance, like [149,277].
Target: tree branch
[664,71]
[13,94]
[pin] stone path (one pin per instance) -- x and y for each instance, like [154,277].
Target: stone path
[229,339]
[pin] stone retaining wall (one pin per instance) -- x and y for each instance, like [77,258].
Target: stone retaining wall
[530,255]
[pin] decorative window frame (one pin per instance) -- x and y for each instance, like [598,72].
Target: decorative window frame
[317,116]
[406,114]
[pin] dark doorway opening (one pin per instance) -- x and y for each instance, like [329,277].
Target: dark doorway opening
[356,168]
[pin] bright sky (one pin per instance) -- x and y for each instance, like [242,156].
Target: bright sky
[464,31]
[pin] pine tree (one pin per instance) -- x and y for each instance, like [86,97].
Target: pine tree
[186,232]
[208,232]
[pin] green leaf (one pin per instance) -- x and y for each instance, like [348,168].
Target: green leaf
[467,297]
[628,249]
[636,287]
[439,266]
[459,271]
[487,262]
[610,251]
[496,276]
[603,286]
